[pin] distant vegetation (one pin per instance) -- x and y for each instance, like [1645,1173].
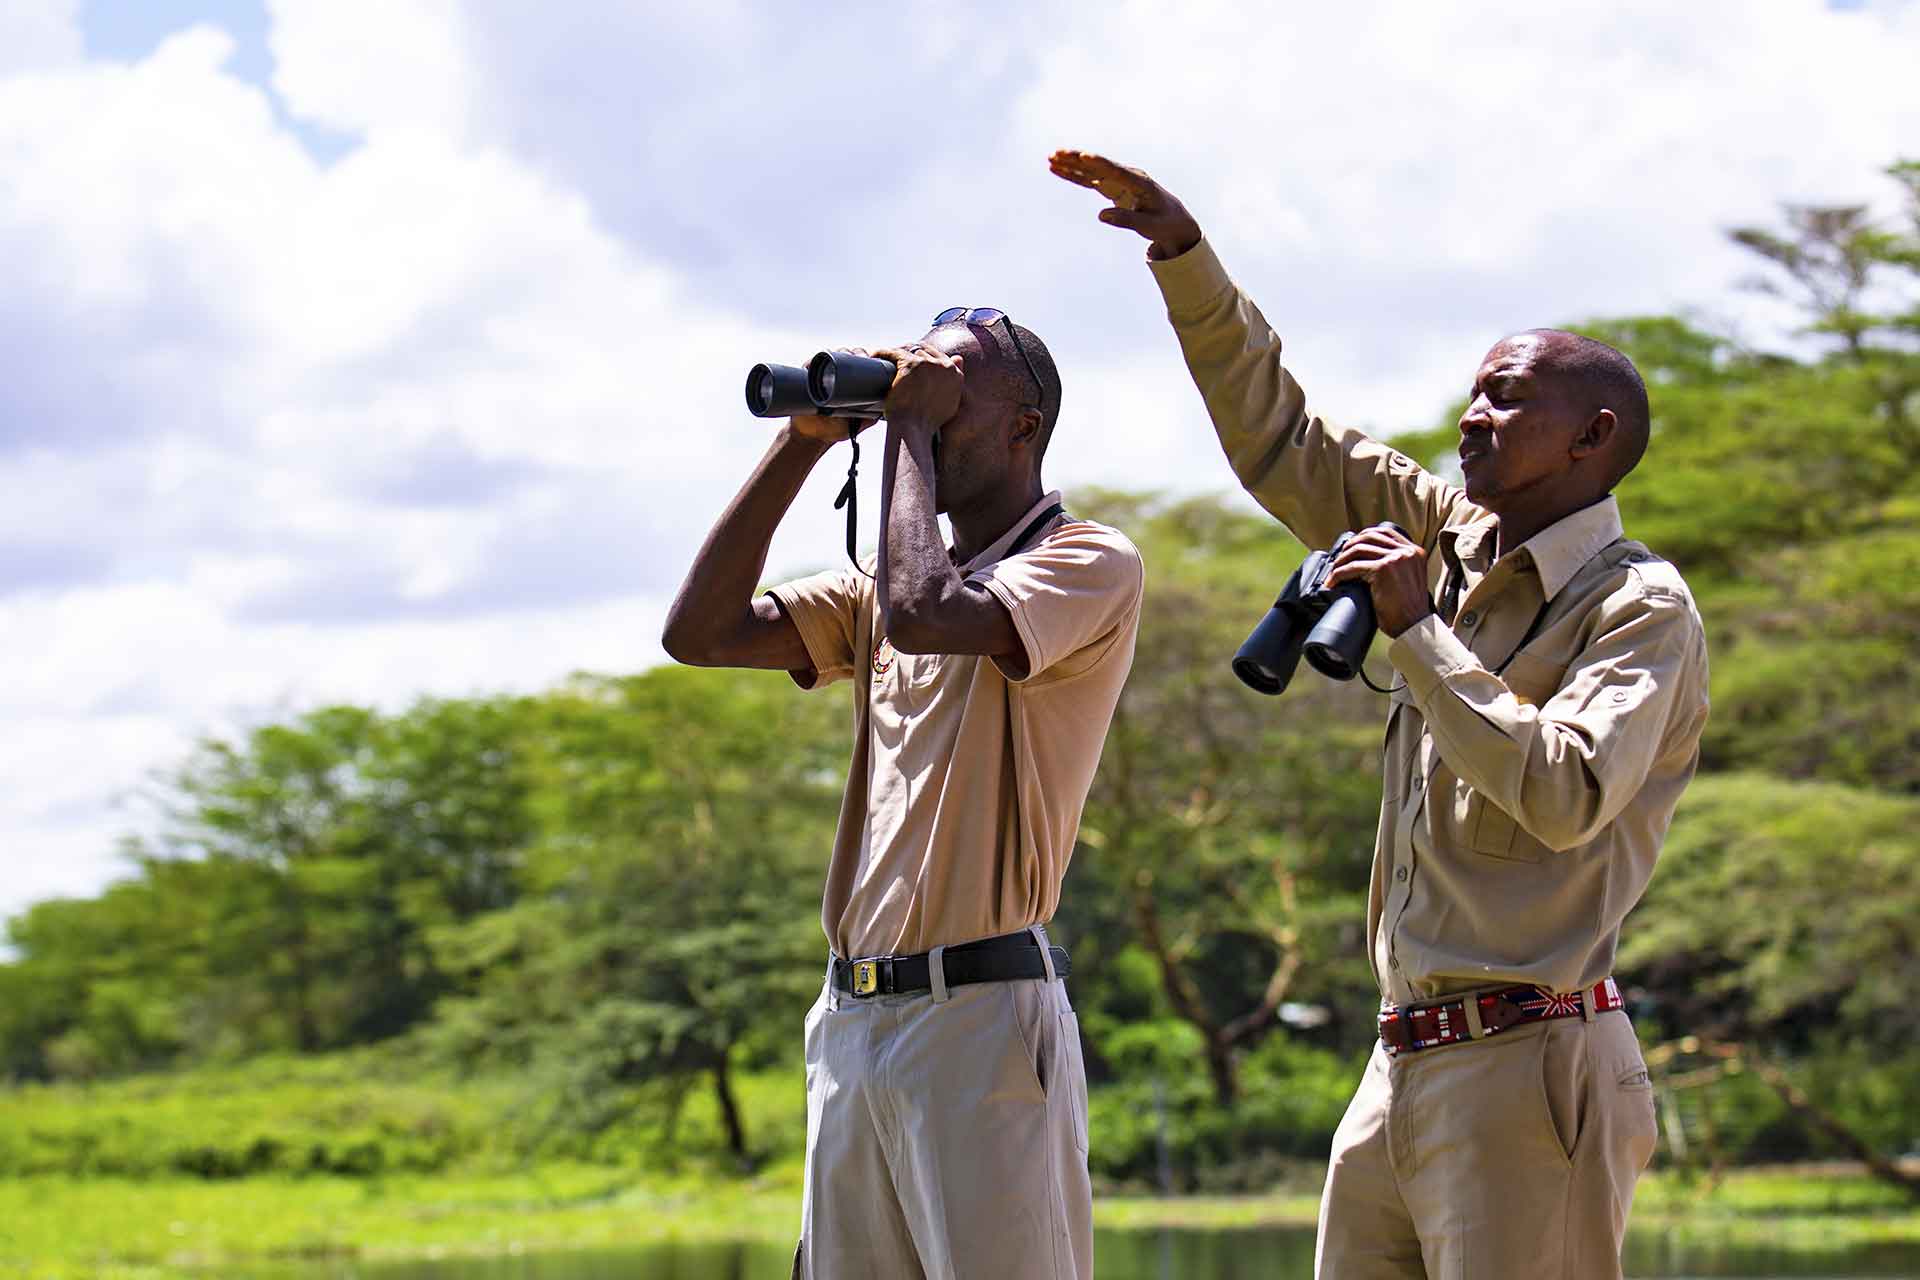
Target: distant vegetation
[484,930]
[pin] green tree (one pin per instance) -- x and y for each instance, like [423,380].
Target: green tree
[1228,835]
[671,926]
[1784,954]
[286,898]
[342,838]
[1854,276]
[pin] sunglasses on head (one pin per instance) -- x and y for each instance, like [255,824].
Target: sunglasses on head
[987,317]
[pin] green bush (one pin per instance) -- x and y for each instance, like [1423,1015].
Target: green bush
[274,1116]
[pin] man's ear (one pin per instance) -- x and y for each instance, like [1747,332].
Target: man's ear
[1596,435]
[1025,432]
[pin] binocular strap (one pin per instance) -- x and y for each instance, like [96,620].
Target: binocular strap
[850,499]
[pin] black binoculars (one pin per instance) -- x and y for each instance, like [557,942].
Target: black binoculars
[1333,629]
[835,384]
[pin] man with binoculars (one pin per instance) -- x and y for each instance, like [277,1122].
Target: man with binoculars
[946,1097]
[1551,694]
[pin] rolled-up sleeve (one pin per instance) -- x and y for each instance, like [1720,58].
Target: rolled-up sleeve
[1068,595]
[825,609]
[1566,767]
[1317,478]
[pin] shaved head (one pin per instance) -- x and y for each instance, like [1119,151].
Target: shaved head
[1008,375]
[1043,367]
[1602,378]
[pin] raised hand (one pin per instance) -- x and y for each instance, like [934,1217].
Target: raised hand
[1139,203]
[926,387]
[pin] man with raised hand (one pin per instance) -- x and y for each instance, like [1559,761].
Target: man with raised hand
[1553,687]
[946,1097]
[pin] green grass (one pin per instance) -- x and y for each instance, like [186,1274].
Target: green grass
[58,1227]
[62,1226]
[142,1179]
[1787,1190]
[1810,1209]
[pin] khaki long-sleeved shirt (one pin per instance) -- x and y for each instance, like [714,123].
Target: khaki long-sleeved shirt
[1542,733]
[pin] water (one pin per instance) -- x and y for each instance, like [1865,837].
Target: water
[1130,1255]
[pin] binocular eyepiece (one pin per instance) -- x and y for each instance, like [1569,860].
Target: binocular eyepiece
[1332,629]
[835,384]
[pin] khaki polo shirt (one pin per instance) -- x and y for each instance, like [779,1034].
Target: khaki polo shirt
[965,790]
[1542,733]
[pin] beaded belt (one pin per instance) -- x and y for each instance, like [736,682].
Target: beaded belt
[1409,1028]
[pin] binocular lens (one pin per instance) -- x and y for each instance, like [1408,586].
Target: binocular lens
[760,389]
[1338,643]
[1266,661]
[836,379]
[777,391]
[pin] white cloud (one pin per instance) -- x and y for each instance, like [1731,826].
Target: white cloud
[448,412]
[38,33]
[362,65]
[1399,184]
[286,433]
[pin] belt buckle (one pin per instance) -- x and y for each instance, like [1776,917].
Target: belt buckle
[866,976]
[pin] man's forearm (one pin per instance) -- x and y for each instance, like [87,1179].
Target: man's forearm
[715,603]
[1318,479]
[1566,766]
[915,574]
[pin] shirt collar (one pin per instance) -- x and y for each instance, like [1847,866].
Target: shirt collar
[1463,542]
[1557,551]
[997,549]
[1563,546]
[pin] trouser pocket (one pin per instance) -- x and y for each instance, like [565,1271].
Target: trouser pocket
[1073,1074]
[1563,1083]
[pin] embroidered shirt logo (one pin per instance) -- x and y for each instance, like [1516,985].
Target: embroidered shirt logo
[883,657]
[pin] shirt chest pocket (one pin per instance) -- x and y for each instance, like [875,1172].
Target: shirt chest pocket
[920,670]
[895,672]
[1485,827]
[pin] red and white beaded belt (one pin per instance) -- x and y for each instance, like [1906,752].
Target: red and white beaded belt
[1412,1027]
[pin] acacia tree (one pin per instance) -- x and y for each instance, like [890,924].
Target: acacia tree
[671,922]
[1854,275]
[1830,256]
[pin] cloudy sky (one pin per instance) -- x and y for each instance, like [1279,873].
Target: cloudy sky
[357,349]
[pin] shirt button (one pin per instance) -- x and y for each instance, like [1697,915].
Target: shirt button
[1468,618]
[1400,874]
[1417,780]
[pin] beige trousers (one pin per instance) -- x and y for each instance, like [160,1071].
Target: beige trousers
[1513,1156]
[946,1137]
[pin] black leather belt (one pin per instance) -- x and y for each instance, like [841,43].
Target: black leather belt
[1010,957]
